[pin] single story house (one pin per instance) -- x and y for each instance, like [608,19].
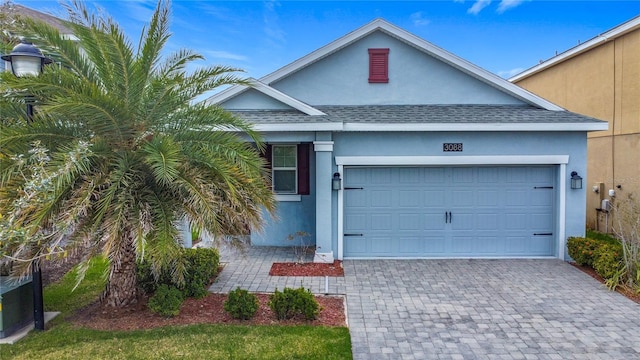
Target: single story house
[383,145]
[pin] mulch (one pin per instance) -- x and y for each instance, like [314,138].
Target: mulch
[208,310]
[307,269]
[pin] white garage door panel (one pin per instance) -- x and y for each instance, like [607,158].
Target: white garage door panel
[449,212]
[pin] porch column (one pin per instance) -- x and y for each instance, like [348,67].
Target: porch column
[324,161]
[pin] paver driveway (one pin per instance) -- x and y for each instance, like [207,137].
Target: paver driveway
[462,309]
[493,309]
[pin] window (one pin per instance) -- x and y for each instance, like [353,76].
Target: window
[289,168]
[378,65]
[284,167]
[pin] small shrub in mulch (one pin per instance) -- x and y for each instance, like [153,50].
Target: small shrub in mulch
[291,302]
[241,304]
[166,301]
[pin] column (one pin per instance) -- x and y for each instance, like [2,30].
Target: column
[324,164]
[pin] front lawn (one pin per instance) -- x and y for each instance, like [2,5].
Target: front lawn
[63,340]
[187,342]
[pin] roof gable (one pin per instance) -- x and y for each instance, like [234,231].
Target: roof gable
[462,65]
[267,90]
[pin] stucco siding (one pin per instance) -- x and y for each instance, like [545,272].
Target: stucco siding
[583,84]
[628,83]
[414,78]
[291,217]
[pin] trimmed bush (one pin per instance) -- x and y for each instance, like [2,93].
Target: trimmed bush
[241,304]
[291,302]
[582,250]
[201,266]
[280,304]
[166,301]
[608,260]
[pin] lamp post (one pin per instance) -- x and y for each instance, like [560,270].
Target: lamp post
[27,60]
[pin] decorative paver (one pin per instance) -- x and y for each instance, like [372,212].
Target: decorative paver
[462,309]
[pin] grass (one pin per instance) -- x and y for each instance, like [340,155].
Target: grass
[591,234]
[187,342]
[61,296]
[64,341]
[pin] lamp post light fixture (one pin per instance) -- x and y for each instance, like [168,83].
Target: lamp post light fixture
[576,180]
[27,60]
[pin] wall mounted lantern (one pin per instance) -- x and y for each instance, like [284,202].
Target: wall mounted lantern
[336,183]
[576,180]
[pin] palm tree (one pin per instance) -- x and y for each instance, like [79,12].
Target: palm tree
[118,153]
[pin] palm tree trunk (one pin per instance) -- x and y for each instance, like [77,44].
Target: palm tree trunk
[122,287]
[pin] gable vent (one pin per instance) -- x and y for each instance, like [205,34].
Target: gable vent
[378,65]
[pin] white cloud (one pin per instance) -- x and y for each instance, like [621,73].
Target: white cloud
[478,6]
[510,73]
[418,19]
[221,54]
[140,10]
[272,29]
[508,4]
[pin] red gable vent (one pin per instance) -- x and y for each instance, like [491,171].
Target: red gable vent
[378,65]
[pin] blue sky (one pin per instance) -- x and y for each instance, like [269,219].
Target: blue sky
[502,36]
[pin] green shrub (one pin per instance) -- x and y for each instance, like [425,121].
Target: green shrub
[290,302]
[166,301]
[280,304]
[582,250]
[608,260]
[241,304]
[201,266]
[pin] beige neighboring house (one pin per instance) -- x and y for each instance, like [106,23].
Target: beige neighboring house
[600,78]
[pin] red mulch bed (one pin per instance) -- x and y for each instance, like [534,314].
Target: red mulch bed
[208,310]
[307,269]
[630,294]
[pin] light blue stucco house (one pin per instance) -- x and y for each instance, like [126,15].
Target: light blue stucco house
[383,145]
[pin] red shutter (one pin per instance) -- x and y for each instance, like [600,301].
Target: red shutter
[303,169]
[378,65]
[267,155]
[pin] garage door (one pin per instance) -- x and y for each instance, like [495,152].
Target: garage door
[448,212]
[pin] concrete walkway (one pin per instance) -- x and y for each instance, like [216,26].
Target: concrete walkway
[463,309]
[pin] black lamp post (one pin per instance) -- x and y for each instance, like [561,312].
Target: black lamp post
[27,60]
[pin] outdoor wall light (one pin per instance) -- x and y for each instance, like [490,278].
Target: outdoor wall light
[576,180]
[336,183]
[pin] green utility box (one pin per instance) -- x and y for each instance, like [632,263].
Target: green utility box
[16,304]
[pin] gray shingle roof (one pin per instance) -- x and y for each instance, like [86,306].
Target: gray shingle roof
[37,15]
[416,114]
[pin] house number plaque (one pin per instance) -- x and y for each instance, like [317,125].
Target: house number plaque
[447,147]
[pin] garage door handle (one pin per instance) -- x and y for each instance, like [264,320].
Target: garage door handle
[447,217]
[353,234]
[541,234]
